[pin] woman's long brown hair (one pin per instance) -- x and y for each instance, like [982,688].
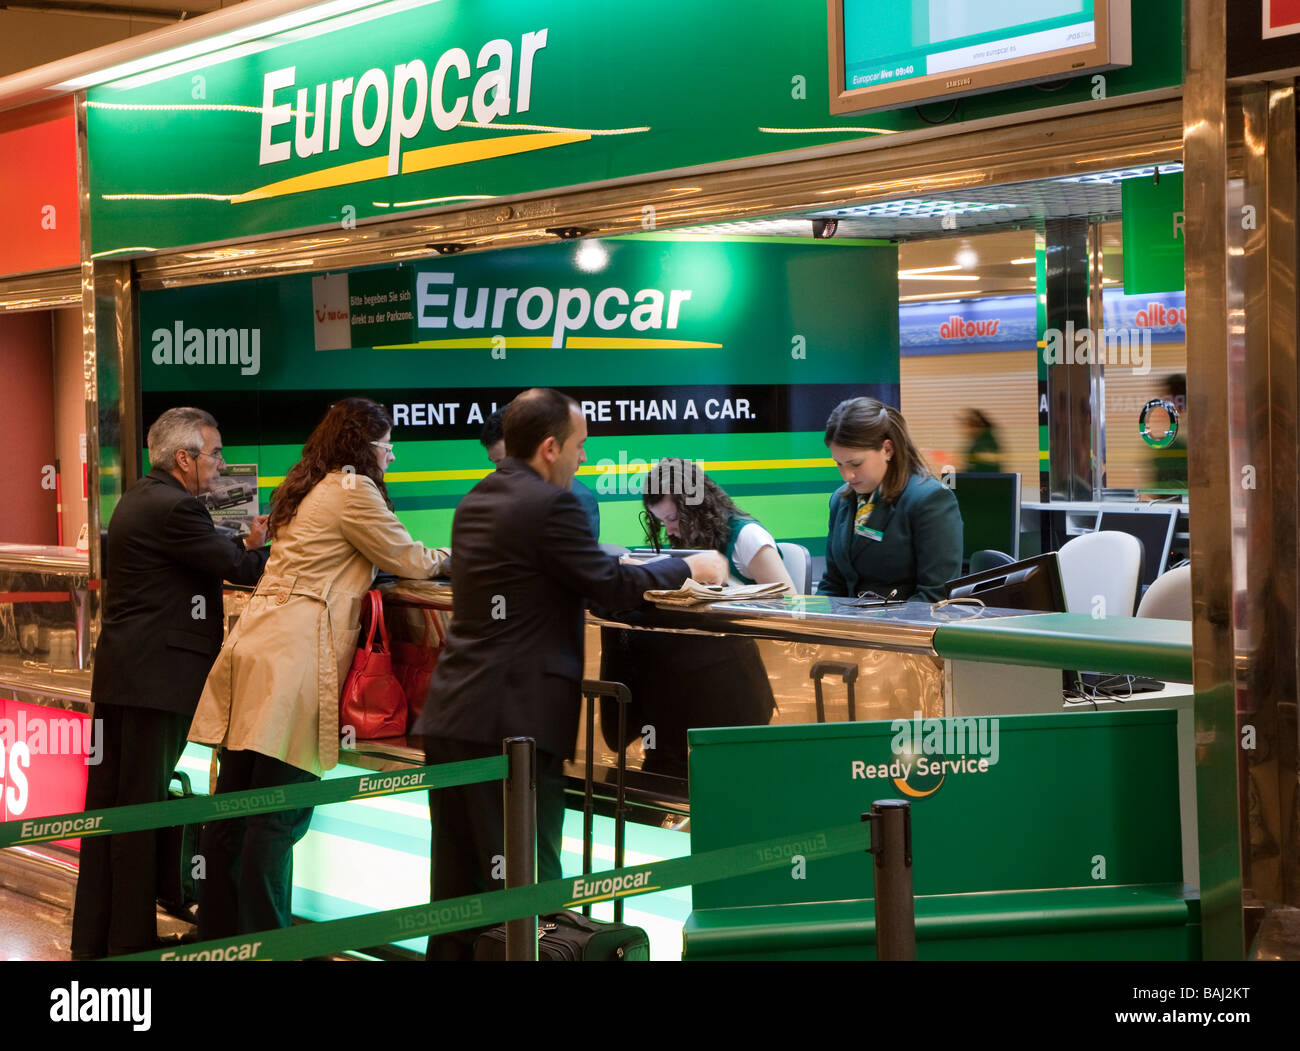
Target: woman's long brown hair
[704,521]
[341,440]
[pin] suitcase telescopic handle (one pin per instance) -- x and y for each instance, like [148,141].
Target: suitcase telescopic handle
[847,672]
[592,689]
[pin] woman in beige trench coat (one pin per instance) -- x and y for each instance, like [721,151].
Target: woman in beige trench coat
[271,701]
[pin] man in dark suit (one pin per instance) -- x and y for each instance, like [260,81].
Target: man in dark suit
[163,626]
[523,562]
[493,440]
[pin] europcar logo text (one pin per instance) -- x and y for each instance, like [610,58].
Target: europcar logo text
[928,751]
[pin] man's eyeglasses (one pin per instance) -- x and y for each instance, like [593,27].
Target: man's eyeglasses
[216,456]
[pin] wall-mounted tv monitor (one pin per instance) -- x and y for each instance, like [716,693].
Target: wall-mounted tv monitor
[905,52]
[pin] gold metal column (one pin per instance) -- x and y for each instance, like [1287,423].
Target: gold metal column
[1263,402]
[1210,480]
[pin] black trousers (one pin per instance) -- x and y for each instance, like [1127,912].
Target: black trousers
[249,860]
[115,907]
[468,838]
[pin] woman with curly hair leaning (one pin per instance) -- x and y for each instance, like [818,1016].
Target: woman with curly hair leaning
[688,505]
[271,702]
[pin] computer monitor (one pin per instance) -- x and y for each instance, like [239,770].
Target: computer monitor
[1154,528]
[990,512]
[1034,583]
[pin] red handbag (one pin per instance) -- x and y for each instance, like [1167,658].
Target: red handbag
[414,663]
[373,702]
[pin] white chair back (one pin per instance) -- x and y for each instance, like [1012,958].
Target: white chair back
[1170,597]
[1105,566]
[798,562]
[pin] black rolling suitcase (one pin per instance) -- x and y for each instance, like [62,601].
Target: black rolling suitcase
[178,846]
[571,935]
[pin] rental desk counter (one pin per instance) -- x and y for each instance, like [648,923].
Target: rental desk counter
[786,663]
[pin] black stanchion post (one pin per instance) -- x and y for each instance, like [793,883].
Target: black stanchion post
[891,849]
[521,840]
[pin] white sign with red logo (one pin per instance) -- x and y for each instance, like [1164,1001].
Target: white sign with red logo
[331,304]
[1281,18]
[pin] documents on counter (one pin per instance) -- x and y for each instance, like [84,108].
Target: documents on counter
[693,593]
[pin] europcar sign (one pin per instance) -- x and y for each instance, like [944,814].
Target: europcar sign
[420,104]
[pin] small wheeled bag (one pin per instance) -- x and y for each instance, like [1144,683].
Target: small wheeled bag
[571,935]
[178,846]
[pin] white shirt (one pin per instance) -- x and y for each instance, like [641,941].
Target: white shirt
[752,539]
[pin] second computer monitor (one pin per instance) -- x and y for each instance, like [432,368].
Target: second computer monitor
[1155,528]
[990,512]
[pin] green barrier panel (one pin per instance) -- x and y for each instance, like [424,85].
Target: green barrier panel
[198,809]
[481,910]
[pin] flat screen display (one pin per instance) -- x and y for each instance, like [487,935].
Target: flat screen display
[1155,529]
[887,54]
[990,512]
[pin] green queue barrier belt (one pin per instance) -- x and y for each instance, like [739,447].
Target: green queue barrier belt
[197,809]
[481,910]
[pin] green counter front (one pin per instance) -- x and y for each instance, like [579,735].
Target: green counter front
[1033,837]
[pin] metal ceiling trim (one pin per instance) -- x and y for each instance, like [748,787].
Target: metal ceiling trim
[52,290]
[985,156]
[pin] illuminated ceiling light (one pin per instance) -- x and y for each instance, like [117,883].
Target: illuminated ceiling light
[923,297]
[433,200]
[828,131]
[591,257]
[121,251]
[325,17]
[1024,261]
[937,277]
[768,227]
[165,196]
[967,258]
[928,269]
[176,107]
[1120,174]
[495,126]
[914,208]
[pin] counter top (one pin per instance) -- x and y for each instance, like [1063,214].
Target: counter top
[1161,649]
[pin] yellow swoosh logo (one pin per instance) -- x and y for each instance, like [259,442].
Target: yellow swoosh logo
[428,159]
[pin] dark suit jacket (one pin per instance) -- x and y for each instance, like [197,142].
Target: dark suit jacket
[158,640]
[590,506]
[920,551]
[523,560]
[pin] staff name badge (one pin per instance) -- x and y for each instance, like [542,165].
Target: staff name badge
[860,522]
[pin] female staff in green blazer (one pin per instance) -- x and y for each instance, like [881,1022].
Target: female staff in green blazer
[894,529]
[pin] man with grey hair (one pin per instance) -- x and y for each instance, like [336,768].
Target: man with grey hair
[162,628]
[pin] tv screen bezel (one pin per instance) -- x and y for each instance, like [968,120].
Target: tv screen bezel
[1008,73]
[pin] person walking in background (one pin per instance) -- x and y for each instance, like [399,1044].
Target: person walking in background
[894,529]
[1171,462]
[162,628]
[513,663]
[985,451]
[271,703]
